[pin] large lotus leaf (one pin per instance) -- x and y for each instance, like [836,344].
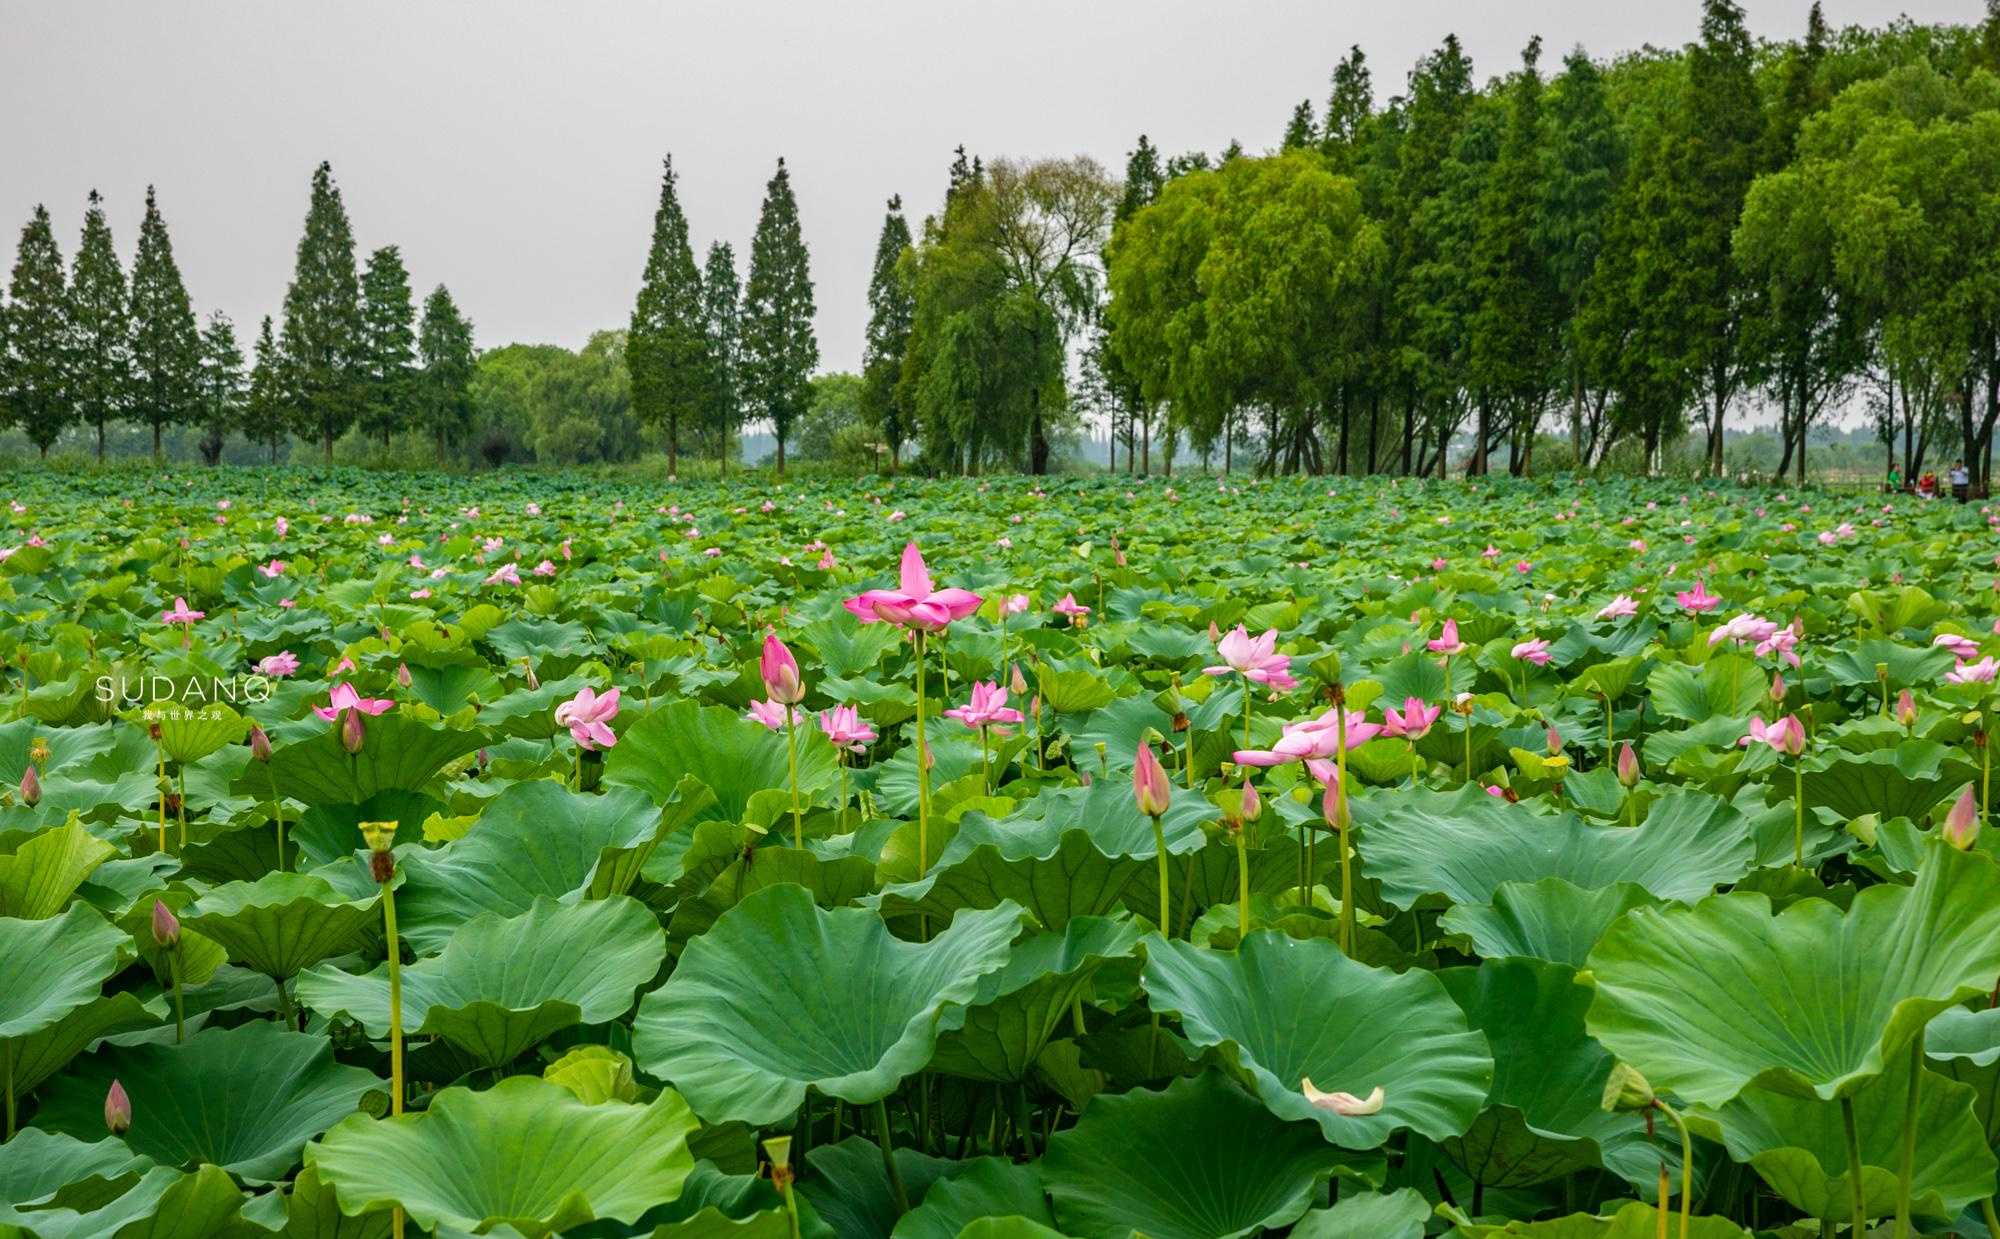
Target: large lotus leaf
[1544,1116]
[1908,666]
[51,967]
[1463,844]
[1961,1033]
[1200,1160]
[1288,1010]
[848,1186]
[1369,1215]
[95,770]
[1799,1146]
[163,1204]
[833,881]
[189,734]
[1727,684]
[313,1212]
[284,923]
[501,984]
[523,1153]
[1634,1221]
[246,1098]
[46,868]
[984,1187]
[40,1055]
[1550,919]
[1017,1010]
[1906,781]
[40,1167]
[736,758]
[328,834]
[1709,1000]
[399,752]
[782,996]
[537,839]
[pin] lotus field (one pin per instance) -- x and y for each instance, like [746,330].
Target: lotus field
[435,856]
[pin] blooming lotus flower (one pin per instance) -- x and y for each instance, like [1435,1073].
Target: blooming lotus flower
[1311,739]
[1621,607]
[588,716]
[343,700]
[917,604]
[1980,672]
[1535,651]
[545,568]
[117,1110]
[278,665]
[1964,649]
[282,525]
[1447,642]
[1014,604]
[1780,641]
[780,671]
[1961,821]
[181,614]
[1254,659]
[844,726]
[987,707]
[1743,628]
[1414,722]
[774,714]
[1786,736]
[505,574]
[1697,599]
[1150,788]
[275,568]
[1346,1104]
[1068,605]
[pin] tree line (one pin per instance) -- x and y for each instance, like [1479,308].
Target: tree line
[90,347]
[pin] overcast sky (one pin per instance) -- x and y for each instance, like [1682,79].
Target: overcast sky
[512,147]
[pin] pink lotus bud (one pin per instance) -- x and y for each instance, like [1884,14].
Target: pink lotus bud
[1253,808]
[1961,823]
[781,672]
[1019,682]
[31,787]
[1628,766]
[1149,782]
[402,675]
[1555,742]
[352,731]
[1791,735]
[117,1110]
[1906,709]
[1333,807]
[1778,686]
[166,926]
[260,744]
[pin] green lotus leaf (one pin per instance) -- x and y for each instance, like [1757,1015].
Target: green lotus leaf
[284,923]
[983,1187]
[1017,1011]
[46,1168]
[1906,781]
[523,1153]
[848,1187]
[1908,666]
[1635,1221]
[246,1098]
[537,839]
[782,996]
[1201,1159]
[1463,844]
[191,733]
[399,753]
[594,1073]
[45,869]
[736,758]
[1728,685]
[1399,1214]
[1710,1000]
[502,984]
[39,1055]
[164,1204]
[51,967]
[1550,919]
[833,881]
[1799,1146]
[1959,1033]
[312,1212]
[1287,1010]
[1008,1228]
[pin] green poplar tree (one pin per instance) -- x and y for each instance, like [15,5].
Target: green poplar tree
[322,335]
[444,344]
[166,344]
[222,391]
[780,351]
[267,412]
[38,336]
[388,344]
[101,333]
[667,347]
[892,307]
[721,297]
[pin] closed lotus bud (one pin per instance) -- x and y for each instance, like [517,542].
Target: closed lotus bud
[1149,782]
[1778,686]
[781,672]
[31,787]
[1906,709]
[1333,807]
[1626,1090]
[117,1110]
[1019,682]
[402,675]
[1961,822]
[1628,766]
[1555,741]
[1252,807]
[260,743]
[353,733]
[166,926]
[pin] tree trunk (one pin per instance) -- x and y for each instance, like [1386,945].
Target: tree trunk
[1038,444]
[100,444]
[674,453]
[326,444]
[1228,442]
[1481,429]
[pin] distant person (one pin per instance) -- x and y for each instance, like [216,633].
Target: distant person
[1927,485]
[1895,482]
[1961,481]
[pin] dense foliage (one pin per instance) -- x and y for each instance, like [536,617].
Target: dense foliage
[956,858]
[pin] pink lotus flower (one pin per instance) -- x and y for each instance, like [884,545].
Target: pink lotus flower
[1743,628]
[505,574]
[117,1110]
[1535,651]
[545,568]
[780,671]
[1980,672]
[1781,641]
[844,726]
[166,926]
[343,699]
[774,714]
[278,665]
[1621,607]
[181,614]
[917,604]
[31,786]
[1014,604]
[1068,605]
[987,707]
[1150,788]
[1447,642]
[588,716]
[1311,739]
[1628,766]
[1961,822]
[1490,553]
[282,525]
[1346,1104]
[1697,599]
[1414,722]
[1964,649]
[1254,658]
[276,568]
[1906,709]
[1786,736]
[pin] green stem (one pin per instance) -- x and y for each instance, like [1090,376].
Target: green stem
[889,1159]
[843,790]
[1798,814]
[1242,884]
[395,1000]
[1687,1165]
[1166,888]
[1909,1165]
[924,766]
[1854,1165]
[985,762]
[1340,823]
[181,803]
[1992,1219]
[278,813]
[1468,748]
[174,969]
[792,772]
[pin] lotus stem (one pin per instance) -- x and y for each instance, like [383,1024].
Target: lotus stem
[1907,1170]
[1854,1164]
[842,812]
[160,780]
[176,969]
[924,764]
[1166,928]
[985,762]
[181,803]
[278,814]
[889,1159]
[1985,774]
[1340,822]
[395,1001]
[792,772]
[1798,814]
[1992,1220]
[1242,884]
[1687,1168]
[1468,748]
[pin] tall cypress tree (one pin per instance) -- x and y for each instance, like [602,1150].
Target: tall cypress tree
[1301,131]
[322,334]
[166,344]
[101,333]
[779,349]
[221,385]
[1348,109]
[388,344]
[892,308]
[667,348]
[267,413]
[38,336]
[720,299]
[444,343]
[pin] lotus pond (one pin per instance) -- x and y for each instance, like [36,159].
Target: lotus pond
[533,856]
